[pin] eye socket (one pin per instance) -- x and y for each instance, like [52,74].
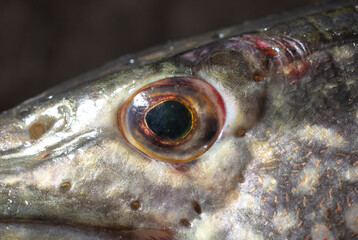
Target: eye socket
[174,119]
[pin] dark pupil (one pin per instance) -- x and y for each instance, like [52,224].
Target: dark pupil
[169,120]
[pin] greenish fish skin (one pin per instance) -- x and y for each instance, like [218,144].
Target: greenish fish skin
[285,165]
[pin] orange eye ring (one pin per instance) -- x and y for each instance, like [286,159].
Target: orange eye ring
[186,117]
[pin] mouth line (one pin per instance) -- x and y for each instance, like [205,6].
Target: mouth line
[68,225]
[102,231]
[56,147]
[25,159]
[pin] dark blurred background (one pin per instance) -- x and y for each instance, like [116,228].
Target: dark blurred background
[45,42]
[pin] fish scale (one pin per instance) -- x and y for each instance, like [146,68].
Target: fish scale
[283,166]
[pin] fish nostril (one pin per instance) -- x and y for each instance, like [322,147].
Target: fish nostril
[36,130]
[52,119]
[65,187]
[196,207]
[135,205]
[258,77]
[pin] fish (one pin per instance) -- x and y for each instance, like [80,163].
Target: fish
[248,132]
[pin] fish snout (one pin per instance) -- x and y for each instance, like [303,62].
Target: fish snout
[28,134]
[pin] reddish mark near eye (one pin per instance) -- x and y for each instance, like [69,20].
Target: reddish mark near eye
[288,53]
[265,47]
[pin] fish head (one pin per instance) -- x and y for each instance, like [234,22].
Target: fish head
[266,149]
[66,160]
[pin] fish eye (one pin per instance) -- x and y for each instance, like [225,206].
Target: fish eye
[173,119]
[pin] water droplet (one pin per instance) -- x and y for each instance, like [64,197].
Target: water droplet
[221,35]
[131,61]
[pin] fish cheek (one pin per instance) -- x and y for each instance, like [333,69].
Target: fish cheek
[235,72]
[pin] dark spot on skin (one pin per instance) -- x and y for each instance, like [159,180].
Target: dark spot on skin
[327,214]
[185,222]
[36,130]
[257,77]
[135,205]
[196,207]
[240,133]
[240,178]
[44,155]
[65,187]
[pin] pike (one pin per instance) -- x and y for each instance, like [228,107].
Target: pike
[246,133]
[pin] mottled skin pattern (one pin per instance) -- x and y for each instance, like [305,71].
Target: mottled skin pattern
[284,167]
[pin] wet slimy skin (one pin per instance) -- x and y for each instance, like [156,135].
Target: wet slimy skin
[272,114]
